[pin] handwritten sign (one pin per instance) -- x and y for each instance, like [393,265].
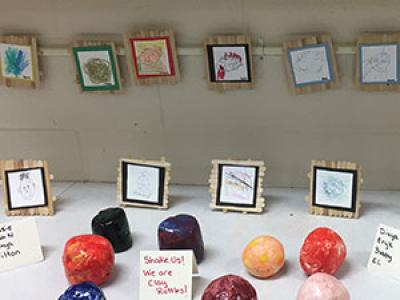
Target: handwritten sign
[166,275]
[385,256]
[19,244]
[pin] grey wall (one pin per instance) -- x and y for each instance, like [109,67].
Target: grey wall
[83,136]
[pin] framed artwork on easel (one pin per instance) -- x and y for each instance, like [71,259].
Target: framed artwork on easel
[237,185]
[143,183]
[335,188]
[27,189]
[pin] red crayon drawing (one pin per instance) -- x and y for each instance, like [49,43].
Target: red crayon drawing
[221,72]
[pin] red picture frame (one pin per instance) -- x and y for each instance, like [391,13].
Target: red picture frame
[156,55]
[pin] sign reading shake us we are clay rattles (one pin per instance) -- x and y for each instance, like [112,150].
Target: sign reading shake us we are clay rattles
[166,275]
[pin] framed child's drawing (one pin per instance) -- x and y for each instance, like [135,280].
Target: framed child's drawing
[377,62]
[335,189]
[229,62]
[152,57]
[97,66]
[19,61]
[311,64]
[143,183]
[26,186]
[237,185]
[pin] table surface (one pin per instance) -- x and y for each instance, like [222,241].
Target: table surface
[225,236]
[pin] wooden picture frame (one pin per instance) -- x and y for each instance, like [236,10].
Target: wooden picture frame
[335,189]
[311,64]
[143,183]
[19,61]
[97,67]
[230,176]
[229,62]
[377,66]
[152,57]
[24,181]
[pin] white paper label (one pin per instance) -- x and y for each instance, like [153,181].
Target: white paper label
[385,256]
[19,244]
[166,275]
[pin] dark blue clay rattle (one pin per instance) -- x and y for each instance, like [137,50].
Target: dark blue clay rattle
[181,232]
[83,291]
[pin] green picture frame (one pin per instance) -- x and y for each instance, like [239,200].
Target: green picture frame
[97,67]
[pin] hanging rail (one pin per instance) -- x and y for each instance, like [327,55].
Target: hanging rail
[197,51]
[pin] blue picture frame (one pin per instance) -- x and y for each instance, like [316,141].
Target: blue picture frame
[361,65]
[328,52]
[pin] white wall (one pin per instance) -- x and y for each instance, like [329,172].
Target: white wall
[83,136]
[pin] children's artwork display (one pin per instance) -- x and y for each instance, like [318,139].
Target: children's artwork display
[97,66]
[143,183]
[19,61]
[229,62]
[311,64]
[335,188]
[377,62]
[152,57]
[237,185]
[26,186]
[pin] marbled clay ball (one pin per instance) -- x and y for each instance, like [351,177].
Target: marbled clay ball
[264,257]
[229,287]
[321,286]
[323,251]
[88,257]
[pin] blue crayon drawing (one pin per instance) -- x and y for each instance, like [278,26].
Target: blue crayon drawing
[16,61]
[333,187]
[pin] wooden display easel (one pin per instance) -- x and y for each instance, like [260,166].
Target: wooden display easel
[28,41]
[230,40]
[8,165]
[215,183]
[168,79]
[335,212]
[88,43]
[309,41]
[151,163]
